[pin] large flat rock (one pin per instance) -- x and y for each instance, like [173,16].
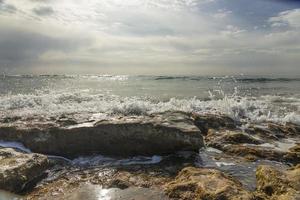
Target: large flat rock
[158,134]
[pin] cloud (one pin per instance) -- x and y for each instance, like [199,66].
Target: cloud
[43,11]
[289,18]
[8,8]
[20,47]
[149,36]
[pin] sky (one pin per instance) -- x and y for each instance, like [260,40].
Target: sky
[199,37]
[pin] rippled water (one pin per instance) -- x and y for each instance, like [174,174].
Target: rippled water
[247,98]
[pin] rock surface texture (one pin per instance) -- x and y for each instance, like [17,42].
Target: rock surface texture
[279,185]
[197,183]
[18,171]
[158,156]
[159,134]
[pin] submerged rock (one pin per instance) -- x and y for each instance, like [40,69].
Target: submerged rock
[200,183]
[158,134]
[19,171]
[278,185]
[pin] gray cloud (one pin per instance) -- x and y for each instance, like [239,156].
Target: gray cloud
[19,47]
[43,11]
[5,7]
[150,36]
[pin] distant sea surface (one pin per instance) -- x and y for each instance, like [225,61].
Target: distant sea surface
[253,99]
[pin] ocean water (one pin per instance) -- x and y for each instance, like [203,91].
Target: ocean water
[245,98]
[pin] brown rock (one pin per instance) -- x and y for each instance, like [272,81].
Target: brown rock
[200,183]
[159,134]
[262,132]
[219,138]
[279,185]
[19,171]
[209,121]
[286,129]
[261,152]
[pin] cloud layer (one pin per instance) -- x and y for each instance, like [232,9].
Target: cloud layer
[150,37]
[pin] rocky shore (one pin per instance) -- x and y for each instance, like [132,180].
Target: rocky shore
[198,157]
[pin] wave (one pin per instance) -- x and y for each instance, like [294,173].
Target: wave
[56,76]
[253,109]
[267,79]
[226,78]
[160,78]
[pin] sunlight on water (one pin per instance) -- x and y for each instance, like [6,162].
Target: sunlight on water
[247,99]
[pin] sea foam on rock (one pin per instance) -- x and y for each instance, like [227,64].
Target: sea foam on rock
[162,133]
[20,171]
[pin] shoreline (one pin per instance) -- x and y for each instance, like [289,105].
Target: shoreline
[234,153]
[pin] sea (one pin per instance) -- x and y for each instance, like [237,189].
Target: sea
[248,99]
[252,99]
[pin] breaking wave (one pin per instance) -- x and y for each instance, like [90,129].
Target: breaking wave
[158,78]
[253,109]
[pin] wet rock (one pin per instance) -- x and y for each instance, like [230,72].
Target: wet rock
[19,171]
[274,131]
[94,192]
[295,148]
[263,132]
[66,122]
[278,185]
[287,129]
[219,138]
[294,154]
[200,183]
[10,119]
[209,121]
[151,177]
[256,152]
[158,134]
[252,148]
[119,183]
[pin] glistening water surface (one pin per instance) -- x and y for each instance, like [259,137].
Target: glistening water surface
[243,97]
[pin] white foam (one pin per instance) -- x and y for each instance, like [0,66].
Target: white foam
[210,149]
[55,103]
[14,145]
[104,161]
[221,164]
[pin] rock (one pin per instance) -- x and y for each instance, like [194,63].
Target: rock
[162,133]
[274,131]
[145,177]
[119,183]
[278,185]
[253,152]
[295,148]
[200,183]
[287,129]
[94,192]
[217,138]
[19,171]
[209,121]
[262,132]
[10,119]
[238,143]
